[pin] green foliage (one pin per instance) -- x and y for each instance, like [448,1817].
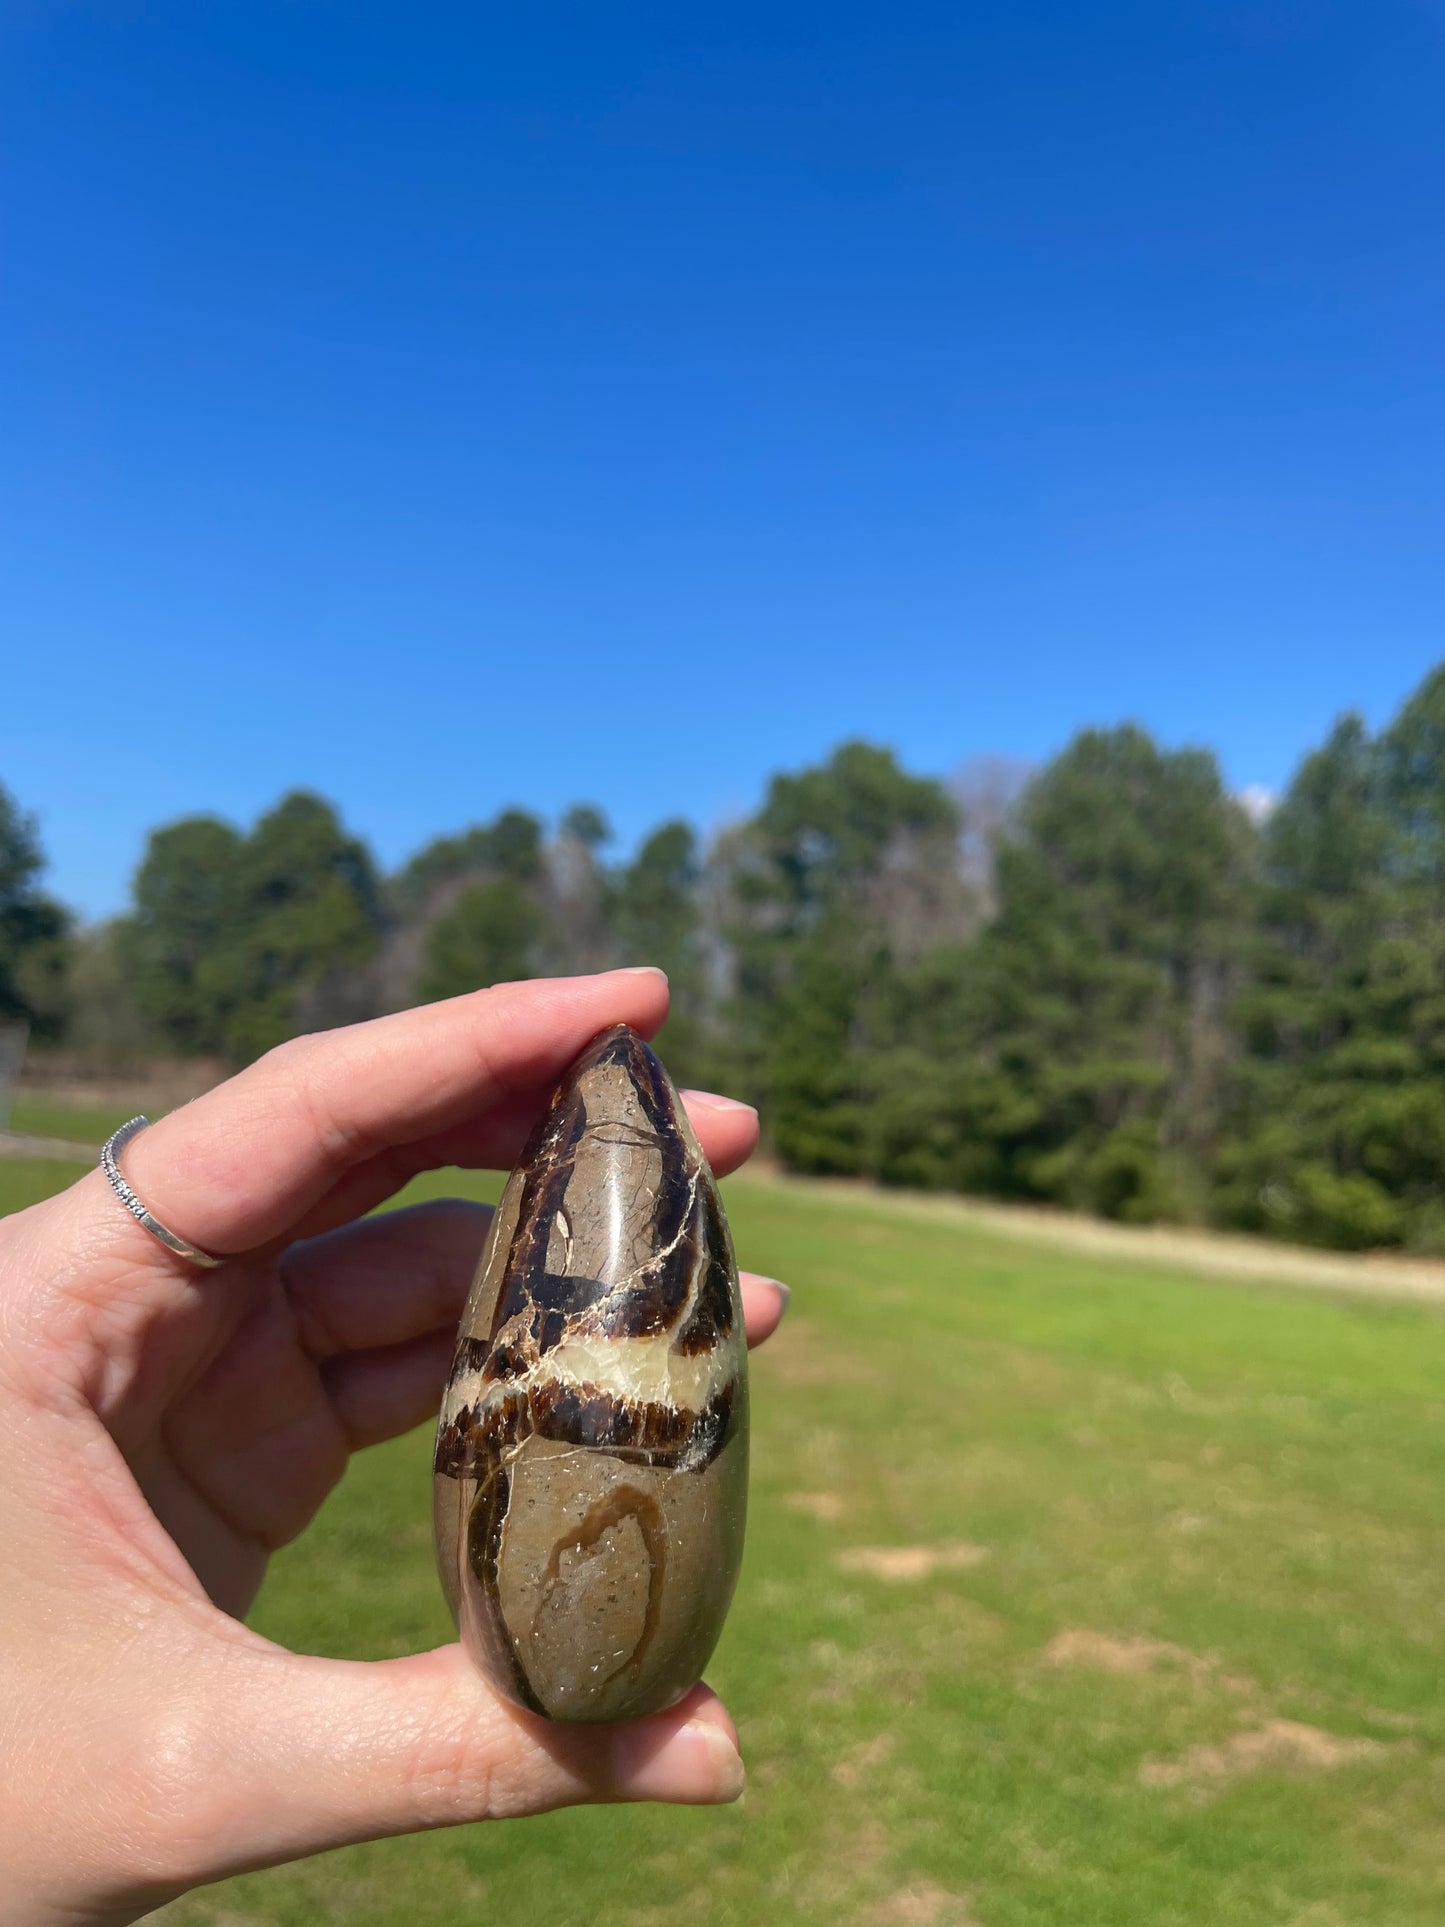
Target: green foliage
[1103,984]
[822,836]
[1110,993]
[815,1063]
[510,846]
[229,930]
[33,929]
[1072,1052]
[1412,795]
[493,933]
[1337,1127]
[308,905]
[654,907]
[655,917]
[104,1025]
[584,823]
[828,888]
[186,907]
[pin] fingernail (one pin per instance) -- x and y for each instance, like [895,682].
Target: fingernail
[785,1294]
[729,1774]
[698,1765]
[711,1101]
[641,970]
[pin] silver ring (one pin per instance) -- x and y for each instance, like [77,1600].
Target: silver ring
[111,1151]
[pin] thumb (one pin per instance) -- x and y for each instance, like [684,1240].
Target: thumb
[318,1753]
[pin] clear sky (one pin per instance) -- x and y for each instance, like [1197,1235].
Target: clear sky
[451,405]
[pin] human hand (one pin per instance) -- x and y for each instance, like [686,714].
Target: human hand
[164,1429]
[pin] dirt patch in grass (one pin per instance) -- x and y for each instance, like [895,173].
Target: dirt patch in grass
[802,1355]
[864,1759]
[923,1903]
[1278,1746]
[910,1562]
[827,1507]
[1080,1646]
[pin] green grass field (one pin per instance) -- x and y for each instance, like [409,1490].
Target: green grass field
[1078,1594]
[36,1118]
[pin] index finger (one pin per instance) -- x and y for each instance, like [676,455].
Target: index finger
[328,1125]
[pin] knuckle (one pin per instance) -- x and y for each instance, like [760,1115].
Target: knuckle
[482,1763]
[289,1057]
[305,1069]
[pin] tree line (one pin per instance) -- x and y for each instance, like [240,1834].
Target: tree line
[1103,987]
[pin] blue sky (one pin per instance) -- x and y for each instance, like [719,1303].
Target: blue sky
[447,406]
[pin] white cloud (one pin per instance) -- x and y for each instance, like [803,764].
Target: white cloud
[1257,801]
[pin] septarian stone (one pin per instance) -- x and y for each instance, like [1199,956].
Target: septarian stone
[592,1457]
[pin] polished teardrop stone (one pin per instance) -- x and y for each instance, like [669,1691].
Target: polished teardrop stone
[591,1463]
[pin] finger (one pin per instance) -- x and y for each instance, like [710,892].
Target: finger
[726,1129]
[765,1302]
[387,1279]
[310,1754]
[460,1082]
[380,1394]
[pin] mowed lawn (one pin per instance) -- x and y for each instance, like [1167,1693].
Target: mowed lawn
[43,1117]
[1078,1593]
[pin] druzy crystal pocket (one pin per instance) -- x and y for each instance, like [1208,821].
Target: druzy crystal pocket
[591,1463]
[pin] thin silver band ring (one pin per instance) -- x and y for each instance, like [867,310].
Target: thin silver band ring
[109,1154]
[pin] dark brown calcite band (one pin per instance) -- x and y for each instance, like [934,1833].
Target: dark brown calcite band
[592,1458]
